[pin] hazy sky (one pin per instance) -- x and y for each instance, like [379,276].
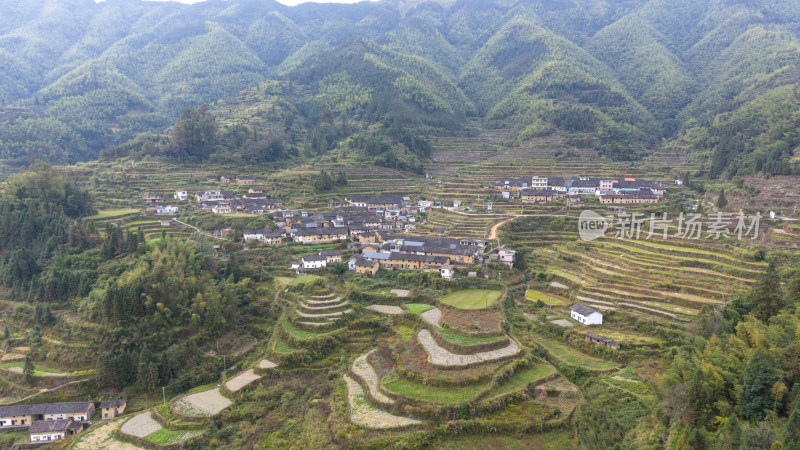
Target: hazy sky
[285,2]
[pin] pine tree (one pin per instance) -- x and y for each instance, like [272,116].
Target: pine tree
[791,431]
[28,369]
[721,200]
[765,298]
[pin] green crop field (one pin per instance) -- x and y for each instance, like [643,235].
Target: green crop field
[165,436]
[523,378]
[547,299]
[38,370]
[305,279]
[460,339]
[472,299]
[105,213]
[297,333]
[575,358]
[556,440]
[418,308]
[432,394]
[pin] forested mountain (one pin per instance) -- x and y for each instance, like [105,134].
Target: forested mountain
[626,77]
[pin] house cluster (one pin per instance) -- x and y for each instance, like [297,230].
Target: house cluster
[239,180]
[318,260]
[350,219]
[607,190]
[431,254]
[254,201]
[51,422]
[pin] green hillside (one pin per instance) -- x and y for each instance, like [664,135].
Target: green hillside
[623,79]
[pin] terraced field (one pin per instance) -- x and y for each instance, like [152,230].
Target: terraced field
[575,358]
[672,279]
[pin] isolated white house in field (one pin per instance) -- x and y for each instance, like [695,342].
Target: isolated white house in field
[585,315]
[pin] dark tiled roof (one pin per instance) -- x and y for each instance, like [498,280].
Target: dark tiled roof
[314,258]
[388,199]
[45,408]
[366,263]
[582,309]
[330,253]
[322,231]
[597,337]
[112,404]
[49,426]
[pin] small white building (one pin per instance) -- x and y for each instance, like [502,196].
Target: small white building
[506,256]
[456,203]
[180,195]
[222,209]
[166,210]
[585,315]
[314,262]
[446,271]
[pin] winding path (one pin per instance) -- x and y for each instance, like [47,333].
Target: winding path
[364,370]
[365,415]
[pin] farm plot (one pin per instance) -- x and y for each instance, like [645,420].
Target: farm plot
[168,437]
[386,309]
[525,377]
[141,425]
[242,380]
[102,437]
[439,356]
[472,299]
[431,394]
[547,299]
[364,414]
[202,404]
[575,358]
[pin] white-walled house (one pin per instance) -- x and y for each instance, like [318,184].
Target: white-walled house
[585,315]
[314,262]
[180,195]
[446,271]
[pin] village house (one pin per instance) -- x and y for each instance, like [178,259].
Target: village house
[332,255]
[222,209]
[112,408]
[224,179]
[540,195]
[585,315]
[377,201]
[152,198]
[208,196]
[180,195]
[254,193]
[627,199]
[398,260]
[506,256]
[53,430]
[365,266]
[320,235]
[314,262]
[166,210]
[24,415]
[447,271]
[244,180]
[600,340]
